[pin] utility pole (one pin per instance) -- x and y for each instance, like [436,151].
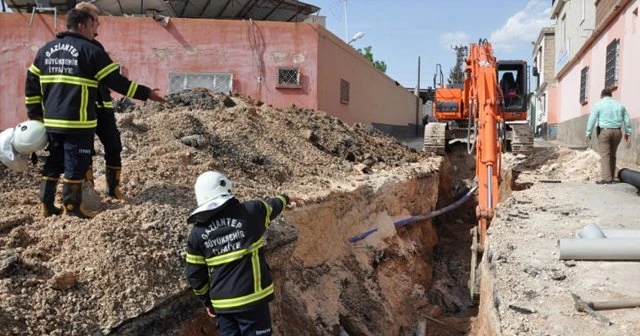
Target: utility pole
[346,24]
[417,93]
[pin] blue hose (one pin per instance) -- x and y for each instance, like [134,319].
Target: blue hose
[414,219]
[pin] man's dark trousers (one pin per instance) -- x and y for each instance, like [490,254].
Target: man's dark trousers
[69,154]
[255,322]
[107,132]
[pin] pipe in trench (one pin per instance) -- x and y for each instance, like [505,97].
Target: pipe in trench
[593,231]
[629,176]
[599,249]
[414,219]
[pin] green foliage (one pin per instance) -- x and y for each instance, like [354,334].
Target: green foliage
[455,75]
[380,65]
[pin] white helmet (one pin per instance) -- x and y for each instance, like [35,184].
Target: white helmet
[29,136]
[211,185]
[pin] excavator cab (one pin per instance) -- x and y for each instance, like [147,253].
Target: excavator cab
[512,77]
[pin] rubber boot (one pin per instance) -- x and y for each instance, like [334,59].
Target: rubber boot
[47,197]
[72,199]
[113,183]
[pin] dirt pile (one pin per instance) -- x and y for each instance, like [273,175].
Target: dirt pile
[557,163]
[66,276]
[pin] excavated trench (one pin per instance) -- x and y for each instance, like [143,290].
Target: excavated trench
[397,281]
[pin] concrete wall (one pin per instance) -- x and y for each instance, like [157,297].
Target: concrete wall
[572,116]
[373,96]
[603,9]
[251,51]
[544,56]
[573,31]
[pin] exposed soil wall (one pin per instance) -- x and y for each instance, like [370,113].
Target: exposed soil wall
[121,272]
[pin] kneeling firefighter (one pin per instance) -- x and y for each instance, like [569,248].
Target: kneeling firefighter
[226,267]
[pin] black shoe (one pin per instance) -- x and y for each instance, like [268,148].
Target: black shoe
[603,182]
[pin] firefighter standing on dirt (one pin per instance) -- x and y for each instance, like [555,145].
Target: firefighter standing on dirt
[61,90]
[107,130]
[226,267]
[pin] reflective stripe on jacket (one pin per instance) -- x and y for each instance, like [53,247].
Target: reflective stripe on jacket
[226,267]
[62,84]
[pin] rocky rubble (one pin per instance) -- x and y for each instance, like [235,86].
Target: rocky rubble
[67,276]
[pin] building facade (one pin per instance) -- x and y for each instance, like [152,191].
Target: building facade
[607,58]
[544,74]
[280,63]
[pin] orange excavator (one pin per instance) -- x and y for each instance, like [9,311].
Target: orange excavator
[482,108]
[455,120]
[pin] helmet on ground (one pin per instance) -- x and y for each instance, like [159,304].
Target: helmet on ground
[211,185]
[29,136]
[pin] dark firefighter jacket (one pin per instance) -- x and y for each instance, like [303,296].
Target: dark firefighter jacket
[226,267]
[104,101]
[62,84]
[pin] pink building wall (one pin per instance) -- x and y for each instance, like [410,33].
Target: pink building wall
[371,91]
[251,51]
[565,102]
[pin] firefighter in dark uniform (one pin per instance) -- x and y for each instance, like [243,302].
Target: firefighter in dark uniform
[109,135]
[107,130]
[226,267]
[62,89]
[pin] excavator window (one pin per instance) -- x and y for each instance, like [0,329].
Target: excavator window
[512,80]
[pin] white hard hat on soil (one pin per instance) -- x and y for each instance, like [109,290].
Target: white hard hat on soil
[29,137]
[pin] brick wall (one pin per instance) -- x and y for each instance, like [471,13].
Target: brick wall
[549,57]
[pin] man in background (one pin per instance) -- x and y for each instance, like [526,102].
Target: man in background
[610,115]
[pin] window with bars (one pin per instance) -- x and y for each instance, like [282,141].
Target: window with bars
[612,64]
[288,77]
[216,81]
[344,91]
[584,84]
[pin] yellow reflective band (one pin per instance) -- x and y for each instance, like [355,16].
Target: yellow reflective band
[235,255]
[84,103]
[243,300]
[284,201]
[73,80]
[267,220]
[106,71]
[59,123]
[34,70]
[133,87]
[33,100]
[195,259]
[47,178]
[255,266]
[107,104]
[202,290]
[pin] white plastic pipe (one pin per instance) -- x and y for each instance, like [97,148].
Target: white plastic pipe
[600,249]
[593,231]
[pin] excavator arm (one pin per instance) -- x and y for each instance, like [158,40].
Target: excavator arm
[484,98]
[483,93]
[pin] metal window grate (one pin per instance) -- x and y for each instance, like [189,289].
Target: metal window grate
[344,91]
[216,81]
[611,68]
[288,77]
[584,84]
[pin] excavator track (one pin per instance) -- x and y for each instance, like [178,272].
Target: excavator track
[522,139]
[435,138]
